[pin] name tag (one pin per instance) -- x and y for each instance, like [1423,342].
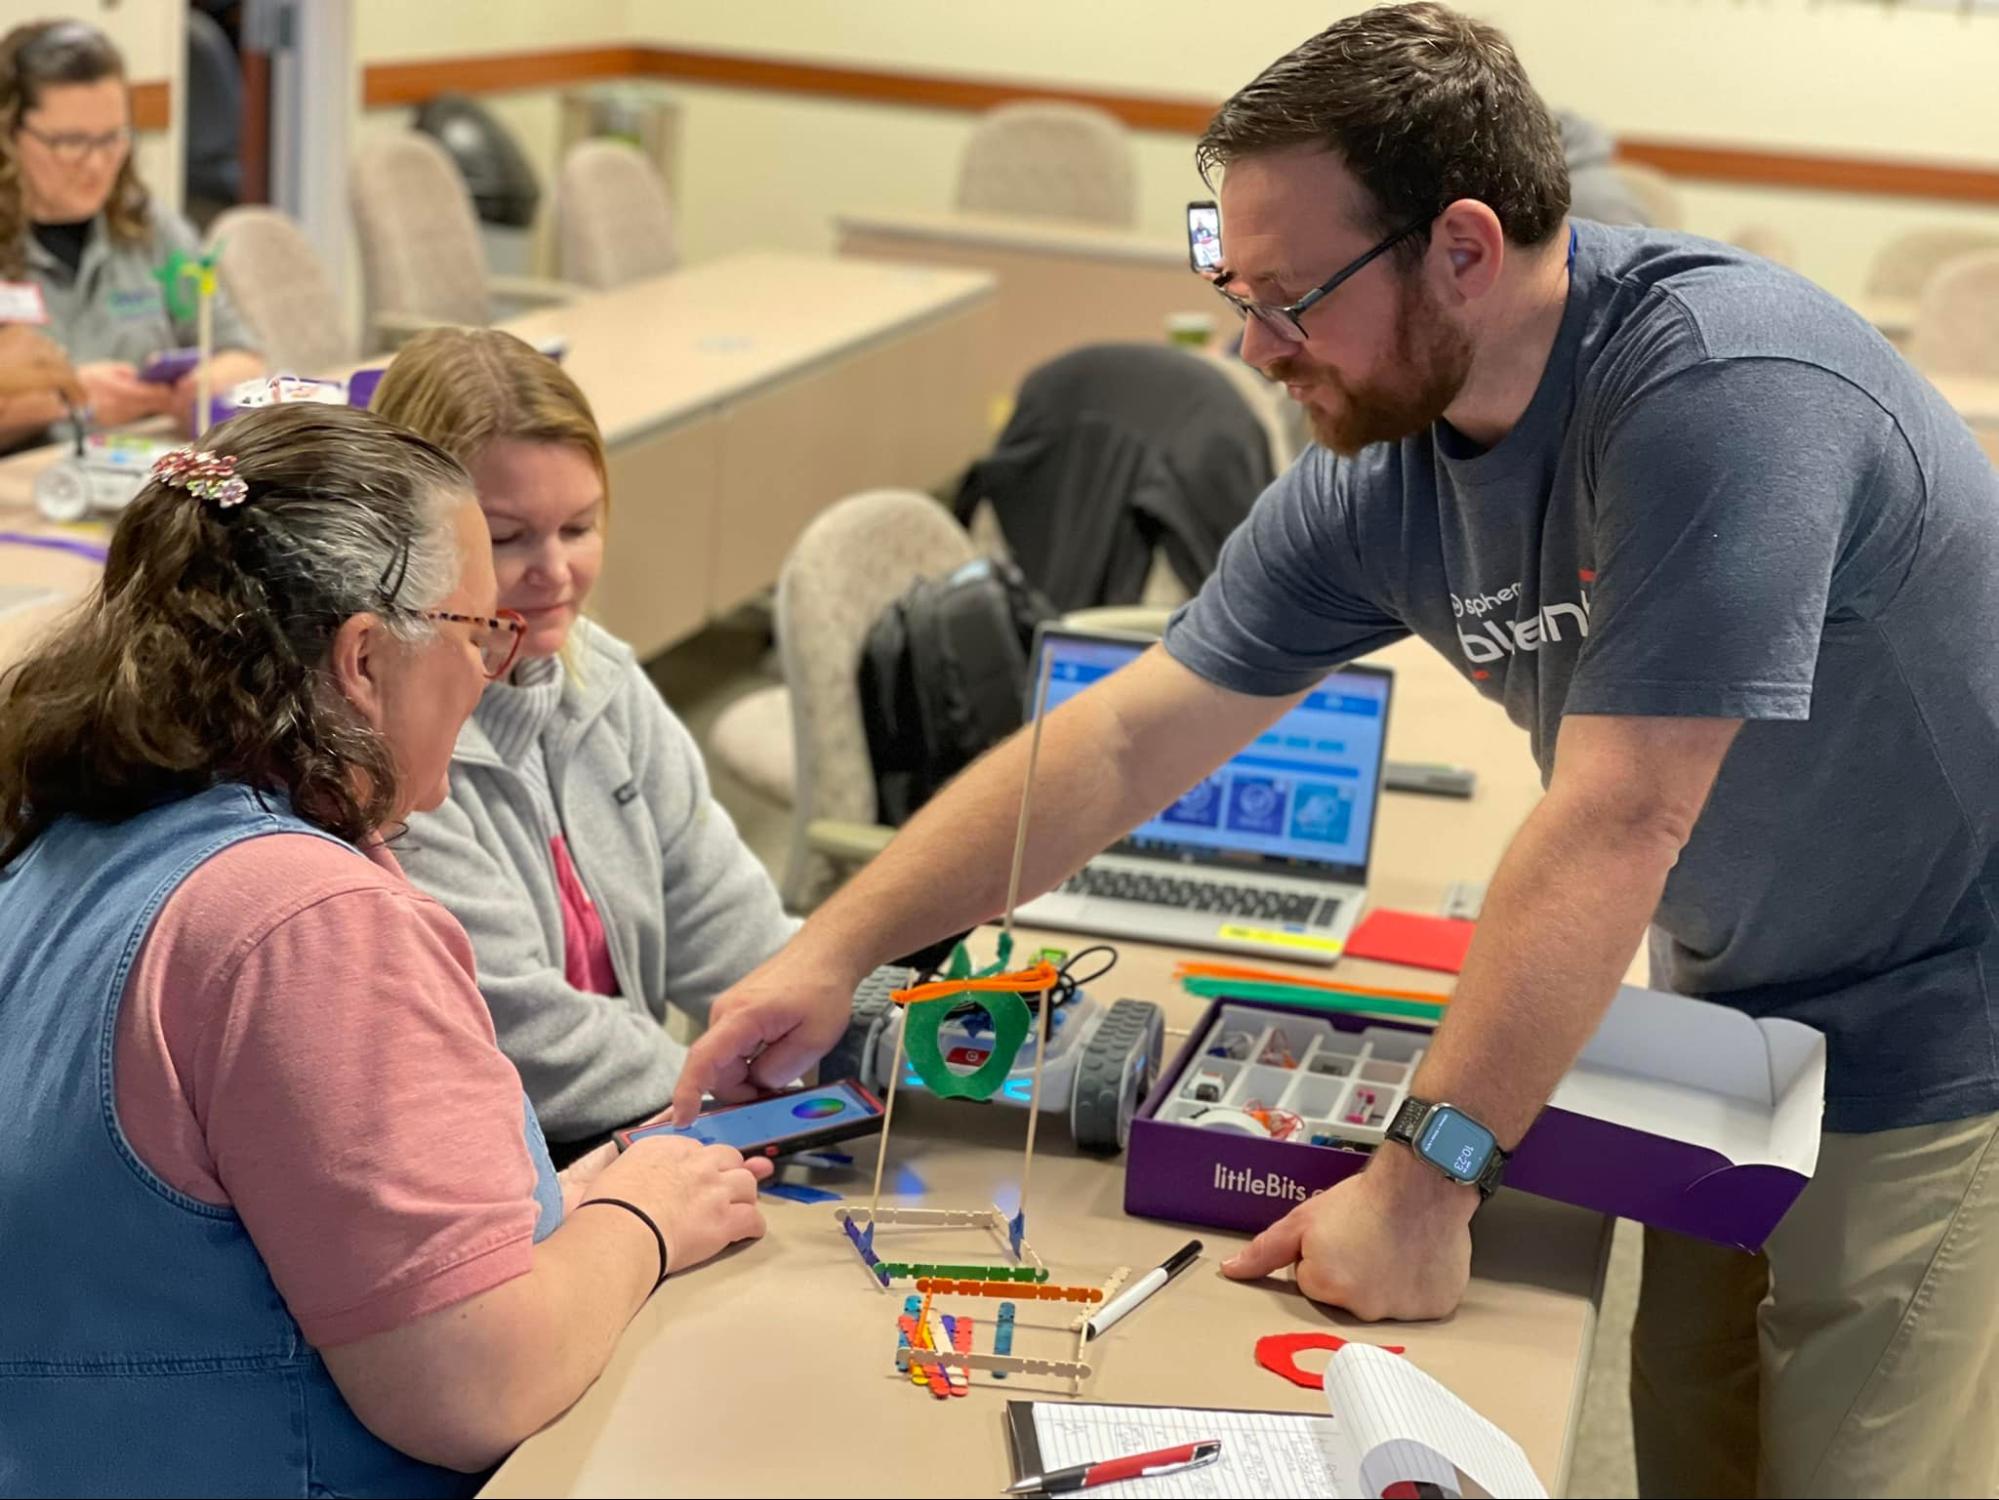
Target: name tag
[21,302]
[134,302]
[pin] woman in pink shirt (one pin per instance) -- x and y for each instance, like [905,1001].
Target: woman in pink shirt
[278,1217]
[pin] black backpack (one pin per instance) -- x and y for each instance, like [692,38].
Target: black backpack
[943,678]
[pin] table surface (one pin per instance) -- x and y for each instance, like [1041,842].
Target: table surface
[63,576]
[1019,232]
[791,1328]
[661,350]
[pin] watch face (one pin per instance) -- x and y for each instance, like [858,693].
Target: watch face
[1456,1144]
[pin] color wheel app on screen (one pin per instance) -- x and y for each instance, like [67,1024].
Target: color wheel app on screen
[817,1109]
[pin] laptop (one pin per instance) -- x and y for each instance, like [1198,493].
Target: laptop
[1267,856]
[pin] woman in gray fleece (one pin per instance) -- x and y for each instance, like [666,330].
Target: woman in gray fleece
[580,848]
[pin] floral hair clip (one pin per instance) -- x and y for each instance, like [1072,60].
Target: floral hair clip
[206,476]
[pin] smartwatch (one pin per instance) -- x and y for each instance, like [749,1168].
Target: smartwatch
[1451,1141]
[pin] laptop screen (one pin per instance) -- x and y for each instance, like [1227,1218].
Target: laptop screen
[1301,798]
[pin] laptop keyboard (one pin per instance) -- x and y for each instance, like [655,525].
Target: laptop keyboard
[1206,896]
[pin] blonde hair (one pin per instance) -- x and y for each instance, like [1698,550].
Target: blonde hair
[467,388]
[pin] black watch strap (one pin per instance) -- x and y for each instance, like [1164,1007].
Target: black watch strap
[1408,1120]
[1407,1123]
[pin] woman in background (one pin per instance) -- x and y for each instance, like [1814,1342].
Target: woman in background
[76,222]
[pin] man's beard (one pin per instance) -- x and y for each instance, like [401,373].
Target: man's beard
[1425,374]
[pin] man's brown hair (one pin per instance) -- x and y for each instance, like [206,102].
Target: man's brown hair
[1424,106]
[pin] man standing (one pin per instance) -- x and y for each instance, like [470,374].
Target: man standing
[1734,567]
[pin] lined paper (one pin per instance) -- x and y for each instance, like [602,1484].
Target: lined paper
[1263,1453]
[1410,1427]
[1396,1426]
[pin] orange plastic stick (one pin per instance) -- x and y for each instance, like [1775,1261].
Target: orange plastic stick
[1026,1291]
[1041,976]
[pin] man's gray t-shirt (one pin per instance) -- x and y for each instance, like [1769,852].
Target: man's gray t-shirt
[1728,498]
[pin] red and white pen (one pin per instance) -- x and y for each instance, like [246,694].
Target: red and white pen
[1111,1470]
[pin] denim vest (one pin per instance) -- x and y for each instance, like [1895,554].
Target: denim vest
[143,1346]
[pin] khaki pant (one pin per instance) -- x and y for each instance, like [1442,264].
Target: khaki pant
[1857,1355]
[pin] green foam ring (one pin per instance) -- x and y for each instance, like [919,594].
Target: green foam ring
[1011,1023]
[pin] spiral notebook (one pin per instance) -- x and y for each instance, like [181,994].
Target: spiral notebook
[1391,1431]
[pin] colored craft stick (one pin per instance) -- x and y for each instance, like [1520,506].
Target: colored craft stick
[906,1323]
[949,1287]
[933,1375]
[953,1380]
[865,1244]
[1030,980]
[1307,998]
[899,1269]
[961,1380]
[1003,1335]
[912,1335]
[1192,969]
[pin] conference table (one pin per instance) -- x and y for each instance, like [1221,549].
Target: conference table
[770,1371]
[43,567]
[739,398]
[742,396]
[1057,284]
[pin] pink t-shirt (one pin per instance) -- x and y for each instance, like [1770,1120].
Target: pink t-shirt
[302,1039]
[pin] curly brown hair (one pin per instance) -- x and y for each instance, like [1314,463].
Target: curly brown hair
[33,58]
[199,658]
[1423,104]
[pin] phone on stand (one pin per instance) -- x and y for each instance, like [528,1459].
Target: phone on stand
[1204,238]
[779,1124]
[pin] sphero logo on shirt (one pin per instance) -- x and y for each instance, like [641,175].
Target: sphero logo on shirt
[1489,639]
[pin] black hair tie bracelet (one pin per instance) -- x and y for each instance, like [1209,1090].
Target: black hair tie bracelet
[645,1219]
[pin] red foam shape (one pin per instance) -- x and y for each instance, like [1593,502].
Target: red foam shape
[1407,937]
[1278,1353]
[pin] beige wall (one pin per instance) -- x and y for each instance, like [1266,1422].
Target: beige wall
[1777,73]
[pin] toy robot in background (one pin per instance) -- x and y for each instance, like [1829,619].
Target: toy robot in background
[106,470]
[103,474]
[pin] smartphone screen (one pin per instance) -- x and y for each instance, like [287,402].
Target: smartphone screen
[1204,236]
[813,1112]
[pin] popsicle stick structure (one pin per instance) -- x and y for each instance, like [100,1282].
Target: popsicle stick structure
[943,1358]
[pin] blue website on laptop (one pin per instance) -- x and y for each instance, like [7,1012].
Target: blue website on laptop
[1304,792]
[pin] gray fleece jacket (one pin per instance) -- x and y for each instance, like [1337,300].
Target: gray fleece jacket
[686,907]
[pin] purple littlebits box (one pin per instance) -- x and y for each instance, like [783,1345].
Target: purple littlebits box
[1679,1114]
